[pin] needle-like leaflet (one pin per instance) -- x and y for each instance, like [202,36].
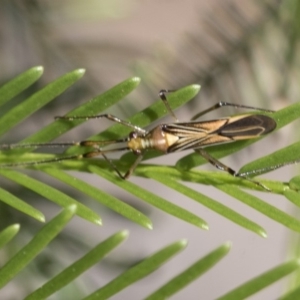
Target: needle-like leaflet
[167,138]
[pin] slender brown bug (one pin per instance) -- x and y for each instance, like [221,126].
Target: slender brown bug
[169,137]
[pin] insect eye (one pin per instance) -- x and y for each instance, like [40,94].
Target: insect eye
[133,135]
[137,152]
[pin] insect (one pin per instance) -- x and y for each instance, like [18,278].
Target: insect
[168,137]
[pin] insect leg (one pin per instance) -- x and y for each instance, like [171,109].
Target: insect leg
[222,104]
[216,163]
[131,169]
[162,95]
[219,165]
[135,164]
[106,116]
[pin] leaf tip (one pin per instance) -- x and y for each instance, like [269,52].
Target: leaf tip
[136,79]
[16,227]
[227,245]
[97,221]
[41,218]
[183,242]
[72,208]
[39,69]
[149,225]
[80,72]
[124,233]
[204,226]
[263,234]
[260,231]
[196,87]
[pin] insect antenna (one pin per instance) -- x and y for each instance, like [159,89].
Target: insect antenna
[97,151]
[5,147]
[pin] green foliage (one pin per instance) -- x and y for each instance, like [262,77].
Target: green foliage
[262,281]
[174,177]
[21,259]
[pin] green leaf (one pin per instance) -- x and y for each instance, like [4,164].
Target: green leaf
[190,274]
[25,255]
[295,183]
[20,205]
[52,194]
[38,100]
[212,204]
[19,84]
[260,282]
[292,295]
[287,115]
[265,164]
[8,234]
[151,198]
[268,210]
[78,267]
[102,197]
[293,196]
[137,272]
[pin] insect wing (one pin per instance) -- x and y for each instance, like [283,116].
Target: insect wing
[195,135]
[247,127]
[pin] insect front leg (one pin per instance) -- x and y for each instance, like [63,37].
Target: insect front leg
[219,165]
[99,152]
[163,97]
[131,169]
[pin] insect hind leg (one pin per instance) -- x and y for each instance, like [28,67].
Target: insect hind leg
[219,165]
[223,104]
